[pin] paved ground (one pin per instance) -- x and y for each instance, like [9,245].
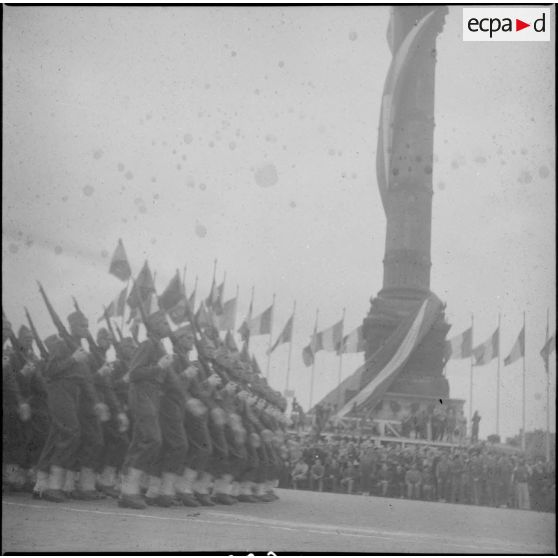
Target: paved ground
[301,521]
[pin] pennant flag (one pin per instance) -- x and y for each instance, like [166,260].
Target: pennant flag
[142,288]
[368,384]
[285,336]
[308,356]
[227,318]
[230,343]
[549,346]
[460,346]
[116,306]
[173,294]
[518,349]
[192,300]
[485,352]
[260,325]
[215,299]
[354,342]
[119,265]
[152,304]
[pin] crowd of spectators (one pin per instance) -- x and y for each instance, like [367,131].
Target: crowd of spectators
[480,474]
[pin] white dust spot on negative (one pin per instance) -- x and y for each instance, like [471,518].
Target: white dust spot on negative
[201,230]
[233,53]
[88,190]
[104,254]
[525,177]
[332,152]
[266,176]
[281,64]
[544,172]
[232,145]
[353,36]
[120,167]
[153,179]
[58,250]
[129,175]
[202,186]
[97,154]
[292,204]
[188,138]
[14,248]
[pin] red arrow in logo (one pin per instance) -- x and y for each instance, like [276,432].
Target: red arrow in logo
[519,25]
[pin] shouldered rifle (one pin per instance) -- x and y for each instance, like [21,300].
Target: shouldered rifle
[40,345]
[73,345]
[115,341]
[18,350]
[119,331]
[93,347]
[204,361]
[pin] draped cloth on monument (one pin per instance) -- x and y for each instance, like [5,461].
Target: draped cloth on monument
[368,384]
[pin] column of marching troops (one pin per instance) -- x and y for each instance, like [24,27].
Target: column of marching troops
[150,427]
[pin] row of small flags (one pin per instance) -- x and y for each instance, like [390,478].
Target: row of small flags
[222,315]
[461,347]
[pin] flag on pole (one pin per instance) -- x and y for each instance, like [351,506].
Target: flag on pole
[312,348]
[143,287]
[116,306]
[285,336]
[173,293]
[549,346]
[330,339]
[518,349]
[353,342]
[485,352]
[260,325]
[119,265]
[230,343]
[227,318]
[205,317]
[460,346]
[215,299]
[255,366]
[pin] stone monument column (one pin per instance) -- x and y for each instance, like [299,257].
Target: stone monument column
[404,170]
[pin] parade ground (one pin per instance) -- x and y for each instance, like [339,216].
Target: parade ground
[300,521]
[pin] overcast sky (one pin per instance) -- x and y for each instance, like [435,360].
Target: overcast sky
[249,135]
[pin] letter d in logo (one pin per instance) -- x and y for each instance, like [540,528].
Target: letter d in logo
[539,24]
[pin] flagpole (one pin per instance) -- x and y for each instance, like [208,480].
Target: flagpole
[270,336]
[183,279]
[124,311]
[290,349]
[235,309]
[524,379]
[471,375]
[547,437]
[313,363]
[498,383]
[342,350]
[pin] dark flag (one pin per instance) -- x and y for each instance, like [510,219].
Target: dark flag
[143,287]
[119,265]
[173,294]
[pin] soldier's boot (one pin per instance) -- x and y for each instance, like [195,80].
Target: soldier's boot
[41,484]
[184,488]
[153,490]
[220,489]
[168,492]
[130,490]
[86,488]
[55,480]
[106,482]
[246,493]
